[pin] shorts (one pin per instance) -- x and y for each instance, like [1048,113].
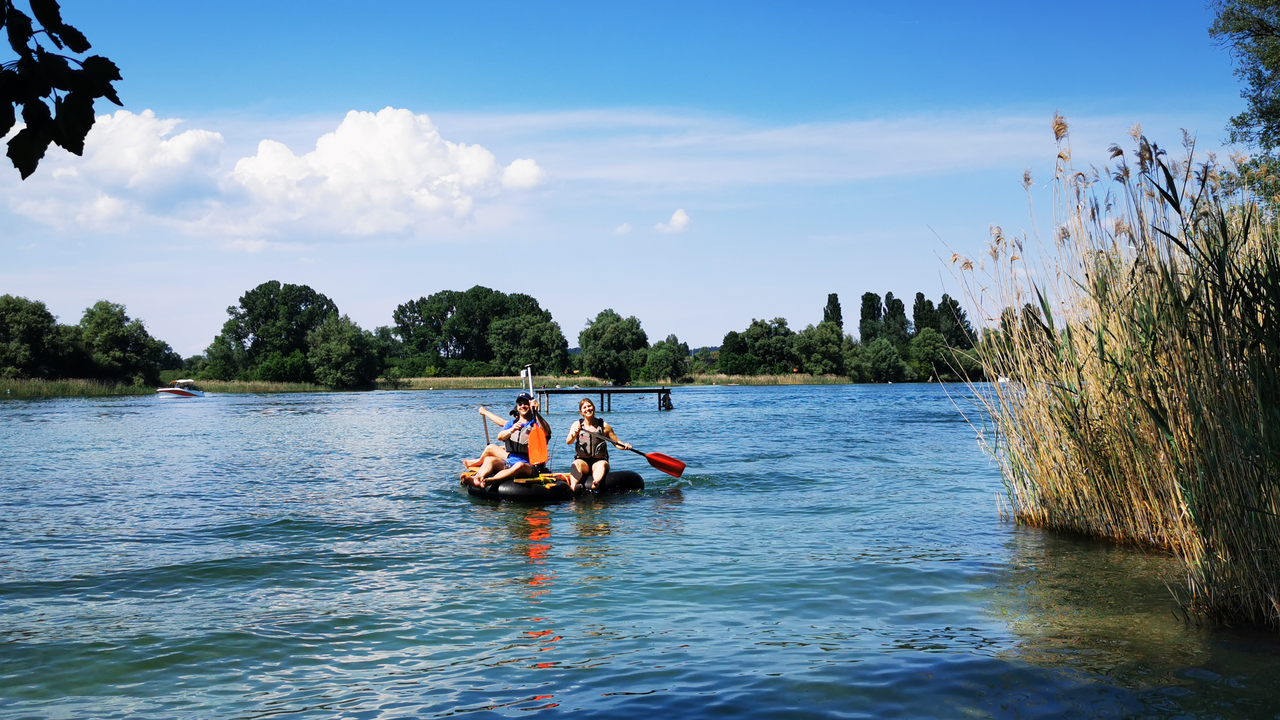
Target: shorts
[591,462]
[513,460]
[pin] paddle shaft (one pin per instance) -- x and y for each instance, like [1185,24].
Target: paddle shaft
[665,463]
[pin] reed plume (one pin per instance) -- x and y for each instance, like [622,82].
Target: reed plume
[1144,402]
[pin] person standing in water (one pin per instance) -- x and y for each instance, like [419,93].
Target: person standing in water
[515,436]
[590,449]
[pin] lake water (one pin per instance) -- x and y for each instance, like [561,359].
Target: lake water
[830,552]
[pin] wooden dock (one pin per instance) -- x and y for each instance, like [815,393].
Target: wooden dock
[606,395]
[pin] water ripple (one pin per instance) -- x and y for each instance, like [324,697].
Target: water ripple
[312,556]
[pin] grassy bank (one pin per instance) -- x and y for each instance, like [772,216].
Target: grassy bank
[255,386]
[786,379]
[68,388]
[465,383]
[1145,392]
[484,383]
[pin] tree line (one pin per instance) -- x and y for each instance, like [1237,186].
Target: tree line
[292,333]
[106,344]
[936,343]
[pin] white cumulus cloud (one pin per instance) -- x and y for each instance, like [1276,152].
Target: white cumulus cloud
[140,152]
[383,172]
[679,221]
[523,174]
[133,166]
[376,173]
[622,229]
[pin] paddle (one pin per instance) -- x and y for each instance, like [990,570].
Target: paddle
[537,444]
[665,463]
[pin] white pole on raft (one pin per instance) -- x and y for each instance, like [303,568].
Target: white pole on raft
[526,379]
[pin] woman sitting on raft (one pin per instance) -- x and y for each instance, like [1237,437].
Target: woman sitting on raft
[515,435]
[590,451]
[490,450]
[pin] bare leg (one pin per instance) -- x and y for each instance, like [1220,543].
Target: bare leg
[519,470]
[497,451]
[576,472]
[486,470]
[598,472]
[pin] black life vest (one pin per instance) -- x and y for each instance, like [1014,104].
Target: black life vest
[518,441]
[588,446]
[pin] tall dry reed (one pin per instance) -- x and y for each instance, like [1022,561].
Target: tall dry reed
[1141,348]
[27,388]
[256,386]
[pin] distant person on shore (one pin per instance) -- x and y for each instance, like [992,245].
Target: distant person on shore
[515,438]
[590,437]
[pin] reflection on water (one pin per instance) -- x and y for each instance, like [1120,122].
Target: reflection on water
[313,556]
[1093,605]
[1107,614]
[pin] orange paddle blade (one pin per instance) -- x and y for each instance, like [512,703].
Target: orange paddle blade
[537,445]
[666,464]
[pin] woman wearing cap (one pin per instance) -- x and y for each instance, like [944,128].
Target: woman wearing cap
[590,451]
[515,436]
[492,449]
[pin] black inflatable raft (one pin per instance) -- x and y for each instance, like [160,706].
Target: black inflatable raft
[554,488]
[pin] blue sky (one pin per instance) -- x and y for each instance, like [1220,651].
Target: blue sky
[697,167]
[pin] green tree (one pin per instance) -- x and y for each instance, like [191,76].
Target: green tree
[896,327]
[342,355]
[609,345]
[929,351]
[666,360]
[953,323]
[121,348]
[452,325]
[884,362]
[923,314]
[831,313]
[420,323]
[703,361]
[465,333]
[870,323]
[856,365]
[56,91]
[28,338]
[266,336]
[736,357]
[771,342]
[821,349]
[1251,28]
[528,339]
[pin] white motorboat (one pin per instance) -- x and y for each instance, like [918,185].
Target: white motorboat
[180,388]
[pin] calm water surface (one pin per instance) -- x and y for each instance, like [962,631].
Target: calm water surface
[830,552]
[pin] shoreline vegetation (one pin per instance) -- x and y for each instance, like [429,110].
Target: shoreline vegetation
[29,388]
[282,333]
[1144,393]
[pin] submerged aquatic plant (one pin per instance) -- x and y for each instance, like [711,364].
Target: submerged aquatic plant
[1141,347]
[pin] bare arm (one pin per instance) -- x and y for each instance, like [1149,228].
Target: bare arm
[494,418]
[573,433]
[608,432]
[507,433]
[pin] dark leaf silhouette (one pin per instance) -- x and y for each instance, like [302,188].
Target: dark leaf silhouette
[55,91]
